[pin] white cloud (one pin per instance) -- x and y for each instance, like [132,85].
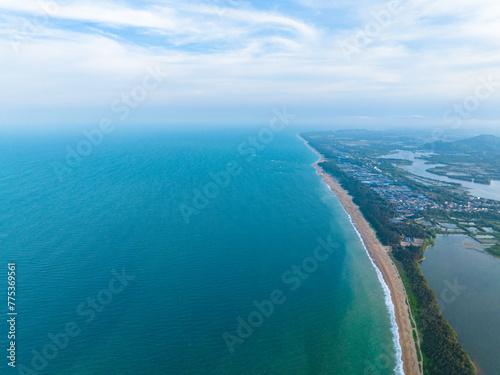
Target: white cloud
[89,52]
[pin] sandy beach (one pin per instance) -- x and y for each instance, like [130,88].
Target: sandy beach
[381,258]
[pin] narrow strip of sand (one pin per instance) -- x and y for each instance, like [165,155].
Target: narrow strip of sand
[382,260]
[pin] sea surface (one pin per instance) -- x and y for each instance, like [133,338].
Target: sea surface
[466,281]
[186,282]
[421,166]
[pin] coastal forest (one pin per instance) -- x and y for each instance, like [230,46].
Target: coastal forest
[443,354]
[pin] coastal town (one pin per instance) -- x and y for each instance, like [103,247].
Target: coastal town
[410,203]
[437,206]
[372,176]
[407,202]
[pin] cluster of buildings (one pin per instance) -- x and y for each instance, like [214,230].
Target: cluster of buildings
[410,204]
[474,205]
[406,202]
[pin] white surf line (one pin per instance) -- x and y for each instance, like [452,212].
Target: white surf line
[398,369]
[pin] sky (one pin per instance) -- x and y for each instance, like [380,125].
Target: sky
[398,62]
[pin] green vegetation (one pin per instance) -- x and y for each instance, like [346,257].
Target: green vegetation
[494,250]
[375,209]
[393,201]
[483,180]
[443,354]
[482,143]
[472,159]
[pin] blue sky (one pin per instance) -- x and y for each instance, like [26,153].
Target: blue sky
[384,62]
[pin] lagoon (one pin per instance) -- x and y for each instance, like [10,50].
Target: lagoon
[466,281]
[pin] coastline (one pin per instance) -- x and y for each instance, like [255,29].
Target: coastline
[385,268]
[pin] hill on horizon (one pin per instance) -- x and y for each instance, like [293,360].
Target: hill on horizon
[480,143]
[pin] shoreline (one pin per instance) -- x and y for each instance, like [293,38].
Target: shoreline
[383,265]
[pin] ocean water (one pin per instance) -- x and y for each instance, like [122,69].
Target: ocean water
[185,285]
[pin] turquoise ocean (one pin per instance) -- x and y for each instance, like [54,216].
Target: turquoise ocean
[192,296]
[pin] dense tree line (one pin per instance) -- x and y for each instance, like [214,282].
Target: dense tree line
[443,353]
[377,211]
[414,230]
[494,250]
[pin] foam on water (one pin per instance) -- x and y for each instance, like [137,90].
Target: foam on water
[387,298]
[398,369]
[119,209]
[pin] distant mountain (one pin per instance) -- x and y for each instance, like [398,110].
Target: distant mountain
[481,143]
